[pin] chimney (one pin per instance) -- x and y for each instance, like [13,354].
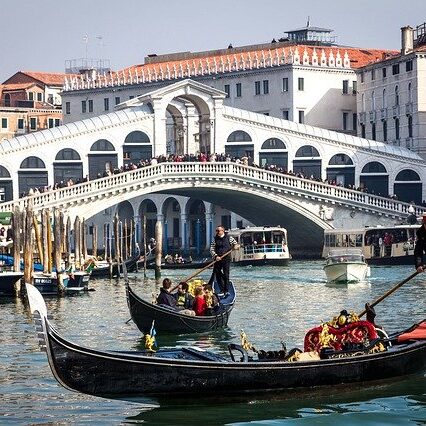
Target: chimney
[406,40]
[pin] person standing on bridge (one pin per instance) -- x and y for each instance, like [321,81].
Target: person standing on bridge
[219,248]
[420,247]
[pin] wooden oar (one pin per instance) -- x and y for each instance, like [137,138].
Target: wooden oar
[201,270]
[388,293]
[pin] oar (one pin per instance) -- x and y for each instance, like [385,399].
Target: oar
[388,293]
[201,270]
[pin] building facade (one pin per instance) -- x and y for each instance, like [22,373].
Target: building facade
[391,99]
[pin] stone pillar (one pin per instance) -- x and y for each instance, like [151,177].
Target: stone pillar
[209,229]
[184,232]
[191,128]
[160,131]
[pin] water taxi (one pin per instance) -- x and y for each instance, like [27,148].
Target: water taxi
[346,265]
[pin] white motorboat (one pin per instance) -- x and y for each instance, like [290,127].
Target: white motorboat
[346,265]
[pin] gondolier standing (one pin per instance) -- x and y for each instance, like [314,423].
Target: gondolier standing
[221,245]
[420,246]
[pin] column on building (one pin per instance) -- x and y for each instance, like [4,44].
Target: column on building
[191,128]
[160,128]
[209,224]
[184,232]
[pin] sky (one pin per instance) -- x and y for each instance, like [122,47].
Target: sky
[40,35]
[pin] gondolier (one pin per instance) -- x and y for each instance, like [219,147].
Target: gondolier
[221,245]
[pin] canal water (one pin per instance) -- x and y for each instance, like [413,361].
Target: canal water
[274,304]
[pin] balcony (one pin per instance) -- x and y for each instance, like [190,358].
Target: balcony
[372,115]
[409,108]
[395,111]
[362,117]
[383,114]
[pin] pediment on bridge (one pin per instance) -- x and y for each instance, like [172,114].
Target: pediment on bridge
[181,88]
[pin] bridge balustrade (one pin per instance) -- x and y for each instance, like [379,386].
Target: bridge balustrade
[221,171]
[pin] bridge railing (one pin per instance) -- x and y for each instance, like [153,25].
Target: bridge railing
[225,171]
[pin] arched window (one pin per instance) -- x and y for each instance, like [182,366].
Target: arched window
[137,137]
[67,154]
[384,98]
[373,101]
[307,151]
[32,163]
[4,173]
[407,175]
[410,94]
[273,143]
[396,95]
[239,136]
[102,145]
[374,167]
[340,160]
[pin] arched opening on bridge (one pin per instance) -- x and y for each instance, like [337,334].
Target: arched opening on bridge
[67,166]
[125,216]
[375,179]
[6,185]
[274,152]
[148,209]
[307,162]
[102,159]
[137,146]
[197,225]
[240,144]
[341,170]
[408,186]
[32,175]
[172,225]
[175,131]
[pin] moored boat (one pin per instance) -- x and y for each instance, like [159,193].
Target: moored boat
[171,320]
[9,283]
[185,371]
[75,282]
[346,265]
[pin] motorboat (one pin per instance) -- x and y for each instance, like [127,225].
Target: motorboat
[346,265]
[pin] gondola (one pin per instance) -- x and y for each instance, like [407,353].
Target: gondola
[184,265]
[104,269]
[120,374]
[170,320]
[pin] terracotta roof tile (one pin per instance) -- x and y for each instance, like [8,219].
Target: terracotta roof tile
[19,86]
[55,79]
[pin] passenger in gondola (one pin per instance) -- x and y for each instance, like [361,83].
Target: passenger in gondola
[184,299]
[200,305]
[165,297]
[420,247]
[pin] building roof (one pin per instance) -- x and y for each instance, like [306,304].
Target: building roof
[19,86]
[48,78]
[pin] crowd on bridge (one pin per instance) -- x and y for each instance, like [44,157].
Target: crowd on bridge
[203,158]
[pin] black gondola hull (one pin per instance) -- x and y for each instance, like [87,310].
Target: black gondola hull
[169,320]
[9,283]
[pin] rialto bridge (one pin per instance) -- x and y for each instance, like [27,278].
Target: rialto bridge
[188,117]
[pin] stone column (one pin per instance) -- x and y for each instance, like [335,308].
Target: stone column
[191,128]
[160,131]
[184,232]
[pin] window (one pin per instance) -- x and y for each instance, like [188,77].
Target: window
[238,90]
[354,122]
[301,117]
[373,74]
[91,105]
[117,100]
[265,87]
[83,107]
[384,72]
[30,96]
[50,123]
[410,94]
[20,123]
[106,104]
[4,124]
[354,87]
[40,97]
[131,97]
[301,83]
[363,130]
[409,65]
[257,87]
[345,87]
[397,128]
[67,108]
[396,95]
[373,101]
[57,122]
[395,69]
[285,114]
[228,90]
[373,131]
[285,84]
[385,130]
[33,123]
[345,120]
[410,126]
[362,77]
[384,98]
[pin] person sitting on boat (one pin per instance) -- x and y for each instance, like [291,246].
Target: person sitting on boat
[221,245]
[165,297]
[168,258]
[184,299]
[212,300]
[200,305]
[420,247]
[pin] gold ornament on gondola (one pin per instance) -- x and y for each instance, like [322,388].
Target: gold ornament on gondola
[149,342]
[246,345]
[325,337]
